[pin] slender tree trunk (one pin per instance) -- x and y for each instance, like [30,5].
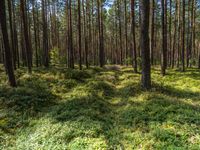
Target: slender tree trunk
[8,55]
[85,33]
[12,46]
[16,57]
[93,35]
[175,35]
[100,25]
[89,35]
[194,29]
[35,33]
[126,31]
[70,37]
[192,40]
[116,37]
[145,48]
[45,34]
[28,47]
[120,31]
[152,31]
[134,52]
[189,35]
[179,33]
[183,38]
[79,33]
[170,34]
[102,55]
[164,37]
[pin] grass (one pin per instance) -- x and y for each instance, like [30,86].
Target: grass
[99,109]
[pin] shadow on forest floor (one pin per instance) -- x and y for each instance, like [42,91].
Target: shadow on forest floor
[99,109]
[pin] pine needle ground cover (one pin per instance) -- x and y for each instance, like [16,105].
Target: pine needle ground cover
[101,109]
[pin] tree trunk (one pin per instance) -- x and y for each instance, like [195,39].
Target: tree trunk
[8,56]
[28,47]
[45,34]
[189,34]
[100,26]
[175,35]
[70,37]
[85,33]
[183,38]
[145,48]
[35,33]
[120,31]
[134,52]
[194,29]
[152,31]
[170,35]
[79,35]
[16,57]
[126,32]
[164,38]
[12,46]
[179,33]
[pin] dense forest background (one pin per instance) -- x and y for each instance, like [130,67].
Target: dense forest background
[56,32]
[99,74]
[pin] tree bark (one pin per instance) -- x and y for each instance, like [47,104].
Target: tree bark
[28,47]
[126,31]
[175,35]
[164,38]
[134,52]
[145,48]
[100,26]
[45,34]
[8,55]
[79,34]
[152,31]
[35,33]
[183,38]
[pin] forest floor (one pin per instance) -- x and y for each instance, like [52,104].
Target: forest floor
[59,109]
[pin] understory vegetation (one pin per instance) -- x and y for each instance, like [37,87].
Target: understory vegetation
[59,108]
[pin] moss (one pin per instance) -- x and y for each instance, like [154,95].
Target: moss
[58,108]
[3,122]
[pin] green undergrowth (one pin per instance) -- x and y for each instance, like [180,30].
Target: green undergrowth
[58,108]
